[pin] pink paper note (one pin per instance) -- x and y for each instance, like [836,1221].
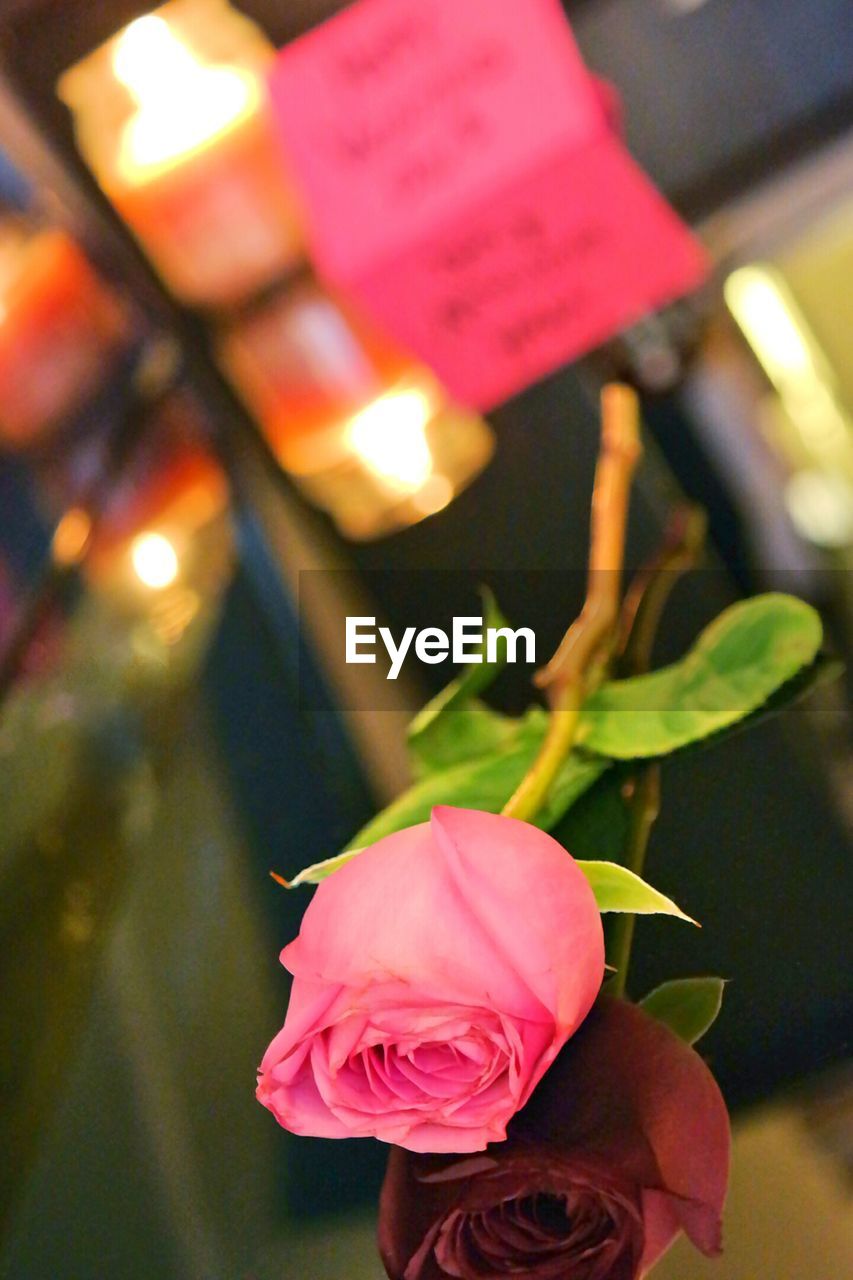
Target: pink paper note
[462,183]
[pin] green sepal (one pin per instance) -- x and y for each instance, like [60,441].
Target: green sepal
[688,1006]
[618,889]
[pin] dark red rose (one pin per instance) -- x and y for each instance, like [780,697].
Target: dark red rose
[624,1143]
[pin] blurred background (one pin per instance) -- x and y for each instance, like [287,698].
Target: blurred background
[189,421]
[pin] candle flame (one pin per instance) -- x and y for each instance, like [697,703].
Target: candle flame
[155,560]
[182,103]
[148,54]
[390,438]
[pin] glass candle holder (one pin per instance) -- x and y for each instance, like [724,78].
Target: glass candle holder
[58,325]
[173,487]
[367,432]
[172,116]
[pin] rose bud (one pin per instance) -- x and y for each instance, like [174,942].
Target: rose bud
[436,977]
[624,1143]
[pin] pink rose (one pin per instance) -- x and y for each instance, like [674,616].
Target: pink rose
[436,977]
[624,1144]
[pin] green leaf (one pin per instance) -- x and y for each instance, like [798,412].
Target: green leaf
[577,774]
[823,670]
[484,784]
[743,667]
[468,731]
[688,1006]
[748,653]
[618,889]
[597,826]
[454,726]
[487,784]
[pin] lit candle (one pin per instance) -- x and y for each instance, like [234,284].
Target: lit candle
[195,169]
[159,506]
[58,324]
[305,365]
[175,478]
[369,433]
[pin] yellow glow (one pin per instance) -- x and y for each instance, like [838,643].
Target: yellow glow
[155,560]
[71,537]
[771,321]
[767,316]
[182,103]
[436,494]
[820,504]
[174,613]
[147,50]
[390,438]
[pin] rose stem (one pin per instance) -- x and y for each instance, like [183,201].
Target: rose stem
[580,661]
[644,807]
[647,595]
[641,614]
